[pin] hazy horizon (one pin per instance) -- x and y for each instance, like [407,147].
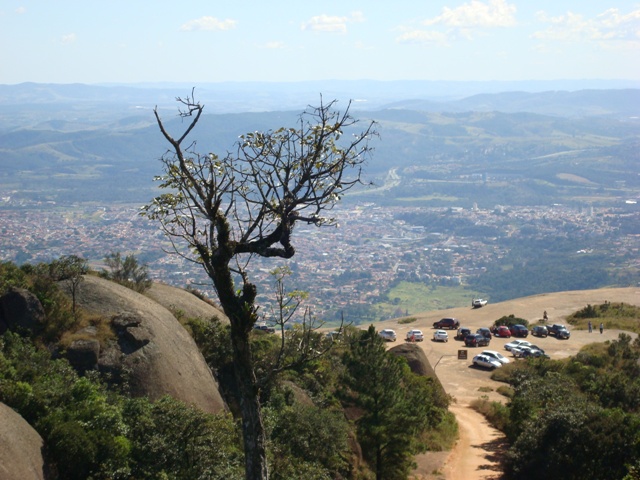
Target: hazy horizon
[121,42]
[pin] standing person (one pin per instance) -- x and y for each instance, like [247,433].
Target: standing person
[590,327]
[545,317]
[601,328]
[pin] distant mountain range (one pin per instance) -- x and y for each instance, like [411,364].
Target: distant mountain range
[90,142]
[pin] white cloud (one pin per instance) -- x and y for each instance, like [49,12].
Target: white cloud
[208,23]
[331,24]
[326,23]
[496,13]
[608,26]
[21,10]
[422,36]
[68,39]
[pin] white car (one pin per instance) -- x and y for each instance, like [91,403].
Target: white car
[486,362]
[495,355]
[517,343]
[415,336]
[388,335]
[440,336]
[478,302]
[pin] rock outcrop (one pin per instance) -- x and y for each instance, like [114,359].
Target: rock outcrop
[20,448]
[158,354]
[178,300]
[20,310]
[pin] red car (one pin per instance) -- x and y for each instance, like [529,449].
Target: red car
[502,331]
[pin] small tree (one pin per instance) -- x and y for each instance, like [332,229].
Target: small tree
[229,210]
[69,270]
[127,271]
[397,405]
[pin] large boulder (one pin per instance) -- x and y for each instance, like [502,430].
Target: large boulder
[158,354]
[20,310]
[20,448]
[186,303]
[415,357]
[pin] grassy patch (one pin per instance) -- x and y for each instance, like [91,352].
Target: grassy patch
[403,321]
[620,316]
[485,389]
[505,391]
[444,436]
[496,413]
[418,297]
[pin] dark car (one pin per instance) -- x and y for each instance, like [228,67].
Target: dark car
[485,332]
[559,331]
[476,340]
[450,323]
[463,333]
[539,331]
[519,331]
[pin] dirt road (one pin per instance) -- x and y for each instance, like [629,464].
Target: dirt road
[476,453]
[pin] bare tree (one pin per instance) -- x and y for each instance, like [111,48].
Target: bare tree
[70,270]
[222,212]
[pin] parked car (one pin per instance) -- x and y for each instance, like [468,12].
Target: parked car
[496,356]
[559,331]
[476,340]
[539,331]
[450,323]
[485,332]
[463,332]
[478,302]
[516,343]
[263,327]
[519,351]
[519,331]
[440,336]
[414,336]
[533,351]
[502,331]
[388,335]
[486,362]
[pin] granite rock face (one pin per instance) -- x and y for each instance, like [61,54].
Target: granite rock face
[20,310]
[20,448]
[157,354]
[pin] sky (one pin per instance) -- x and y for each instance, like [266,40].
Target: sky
[116,41]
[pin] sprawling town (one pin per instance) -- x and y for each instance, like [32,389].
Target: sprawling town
[354,262]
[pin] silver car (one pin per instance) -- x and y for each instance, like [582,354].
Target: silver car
[495,355]
[388,335]
[440,336]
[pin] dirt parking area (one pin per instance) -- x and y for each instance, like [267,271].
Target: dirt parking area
[477,451]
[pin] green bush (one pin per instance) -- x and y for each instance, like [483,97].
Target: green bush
[510,320]
[127,271]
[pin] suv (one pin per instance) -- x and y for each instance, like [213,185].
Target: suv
[450,323]
[559,330]
[476,340]
[463,333]
[539,331]
[519,331]
[485,332]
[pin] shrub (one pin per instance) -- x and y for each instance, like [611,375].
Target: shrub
[127,272]
[496,413]
[510,320]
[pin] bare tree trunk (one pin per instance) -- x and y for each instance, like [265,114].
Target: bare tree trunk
[253,430]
